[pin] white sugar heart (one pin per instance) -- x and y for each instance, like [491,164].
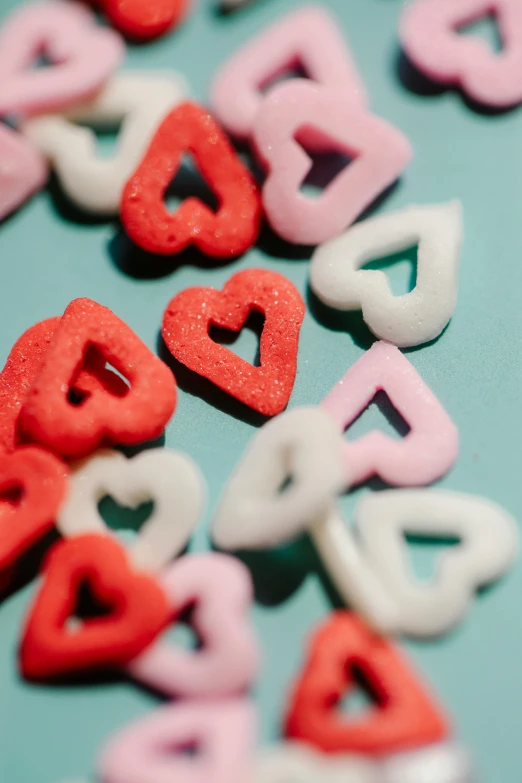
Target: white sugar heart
[292,762]
[337,279]
[302,444]
[489,545]
[356,581]
[168,478]
[140,100]
[443,762]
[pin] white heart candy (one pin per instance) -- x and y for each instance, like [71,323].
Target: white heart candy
[291,762]
[139,99]
[356,581]
[489,545]
[444,762]
[303,444]
[337,279]
[168,478]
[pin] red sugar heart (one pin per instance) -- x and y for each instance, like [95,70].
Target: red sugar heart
[41,480]
[138,611]
[49,418]
[406,716]
[21,368]
[191,313]
[189,128]
[144,19]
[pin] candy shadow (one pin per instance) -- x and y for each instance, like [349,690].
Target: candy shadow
[134,262]
[27,567]
[66,210]
[223,13]
[339,321]
[197,386]
[417,83]
[278,573]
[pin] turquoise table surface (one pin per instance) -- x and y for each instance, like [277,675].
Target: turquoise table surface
[51,254]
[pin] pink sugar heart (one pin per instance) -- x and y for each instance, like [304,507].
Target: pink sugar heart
[430,447]
[23,170]
[83,56]
[430,38]
[381,153]
[309,37]
[220,589]
[150,750]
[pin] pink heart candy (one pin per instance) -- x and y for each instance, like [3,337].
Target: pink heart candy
[150,750]
[23,170]
[220,589]
[381,153]
[425,453]
[84,55]
[429,35]
[309,37]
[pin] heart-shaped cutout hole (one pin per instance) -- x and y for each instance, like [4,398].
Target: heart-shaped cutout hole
[425,551]
[485,27]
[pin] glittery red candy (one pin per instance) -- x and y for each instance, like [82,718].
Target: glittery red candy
[51,419]
[40,480]
[144,19]
[20,370]
[191,313]
[405,717]
[138,611]
[231,230]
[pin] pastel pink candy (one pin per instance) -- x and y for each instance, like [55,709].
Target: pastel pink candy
[381,153]
[150,750]
[425,453]
[23,170]
[220,589]
[309,37]
[429,36]
[83,55]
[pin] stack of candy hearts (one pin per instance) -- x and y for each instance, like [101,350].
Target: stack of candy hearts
[78,388]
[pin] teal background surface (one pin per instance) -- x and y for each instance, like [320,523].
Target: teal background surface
[50,254]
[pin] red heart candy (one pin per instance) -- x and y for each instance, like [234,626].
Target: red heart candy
[41,479]
[191,313]
[48,417]
[144,19]
[406,716]
[138,611]
[21,368]
[189,128]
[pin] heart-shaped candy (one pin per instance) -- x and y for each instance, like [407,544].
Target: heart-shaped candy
[303,444]
[23,170]
[488,547]
[299,763]
[220,589]
[429,35]
[405,716]
[83,54]
[430,447]
[144,20]
[138,611]
[50,418]
[309,37]
[41,480]
[150,750]
[20,370]
[191,313]
[168,478]
[140,100]
[416,317]
[443,762]
[231,230]
[381,153]
[356,581]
